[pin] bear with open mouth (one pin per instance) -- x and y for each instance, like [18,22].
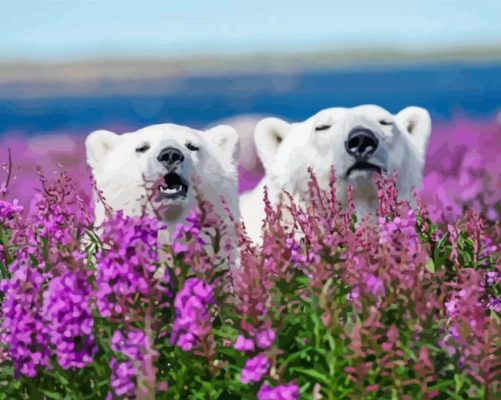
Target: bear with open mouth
[154,171]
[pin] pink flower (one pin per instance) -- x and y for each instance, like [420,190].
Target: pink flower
[243,344]
[255,368]
[265,338]
[288,391]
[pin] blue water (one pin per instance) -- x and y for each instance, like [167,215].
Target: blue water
[444,89]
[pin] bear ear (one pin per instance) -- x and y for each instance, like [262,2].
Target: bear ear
[417,123]
[268,135]
[99,144]
[225,138]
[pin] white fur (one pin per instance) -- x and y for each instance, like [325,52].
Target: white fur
[287,150]
[120,171]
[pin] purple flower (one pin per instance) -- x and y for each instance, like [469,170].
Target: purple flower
[126,267]
[255,368]
[68,317]
[47,236]
[495,304]
[192,316]
[122,378]
[354,294]
[451,307]
[186,237]
[375,285]
[132,345]
[22,327]
[243,344]
[123,373]
[8,211]
[493,278]
[192,239]
[265,338]
[400,227]
[288,391]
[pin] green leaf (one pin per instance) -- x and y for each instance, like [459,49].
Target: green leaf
[430,265]
[458,380]
[312,373]
[51,395]
[454,395]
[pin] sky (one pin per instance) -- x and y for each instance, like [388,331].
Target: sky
[61,30]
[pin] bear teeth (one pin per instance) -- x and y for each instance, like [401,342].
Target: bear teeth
[171,189]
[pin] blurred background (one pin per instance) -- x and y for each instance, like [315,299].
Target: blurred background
[69,67]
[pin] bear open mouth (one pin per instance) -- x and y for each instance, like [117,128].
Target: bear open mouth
[174,186]
[364,166]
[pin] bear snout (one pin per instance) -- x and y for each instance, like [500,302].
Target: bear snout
[170,157]
[361,143]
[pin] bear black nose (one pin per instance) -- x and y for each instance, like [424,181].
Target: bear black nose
[170,157]
[361,143]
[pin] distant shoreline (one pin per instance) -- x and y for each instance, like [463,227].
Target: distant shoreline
[93,76]
[446,89]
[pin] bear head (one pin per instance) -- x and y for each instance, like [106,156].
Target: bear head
[357,142]
[154,170]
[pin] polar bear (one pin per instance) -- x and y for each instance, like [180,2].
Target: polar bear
[357,142]
[153,171]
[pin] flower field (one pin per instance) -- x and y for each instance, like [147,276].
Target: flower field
[404,308]
[463,166]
